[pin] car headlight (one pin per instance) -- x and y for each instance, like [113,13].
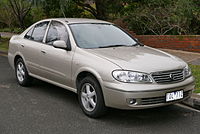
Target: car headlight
[130,76]
[187,71]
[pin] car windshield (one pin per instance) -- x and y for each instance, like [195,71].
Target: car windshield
[100,36]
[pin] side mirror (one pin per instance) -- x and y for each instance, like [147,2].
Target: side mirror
[62,45]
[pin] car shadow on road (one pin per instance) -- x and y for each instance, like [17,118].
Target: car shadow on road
[146,116]
[53,91]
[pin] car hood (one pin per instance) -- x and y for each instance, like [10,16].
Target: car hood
[142,59]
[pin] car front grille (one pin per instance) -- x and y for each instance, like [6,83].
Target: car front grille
[157,100]
[168,76]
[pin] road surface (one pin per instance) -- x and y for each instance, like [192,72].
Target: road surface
[46,109]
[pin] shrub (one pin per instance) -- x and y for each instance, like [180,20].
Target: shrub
[163,17]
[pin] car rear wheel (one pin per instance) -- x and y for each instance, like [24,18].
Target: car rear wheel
[21,73]
[90,97]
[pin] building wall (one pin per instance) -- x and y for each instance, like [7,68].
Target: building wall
[178,42]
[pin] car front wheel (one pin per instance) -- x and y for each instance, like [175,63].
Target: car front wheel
[90,97]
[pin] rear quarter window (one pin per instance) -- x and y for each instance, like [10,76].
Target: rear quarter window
[29,34]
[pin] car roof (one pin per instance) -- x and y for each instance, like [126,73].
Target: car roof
[68,21]
[77,20]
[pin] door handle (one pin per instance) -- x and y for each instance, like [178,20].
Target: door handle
[43,52]
[22,45]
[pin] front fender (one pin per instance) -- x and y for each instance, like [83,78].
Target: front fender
[87,69]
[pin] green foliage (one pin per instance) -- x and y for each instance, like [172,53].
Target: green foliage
[2,25]
[176,17]
[115,9]
[61,8]
[163,17]
[71,10]
[196,74]
[6,16]
[12,30]
[4,44]
[37,13]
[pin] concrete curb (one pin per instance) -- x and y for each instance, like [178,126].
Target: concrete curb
[194,101]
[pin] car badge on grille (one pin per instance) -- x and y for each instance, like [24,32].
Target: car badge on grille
[171,76]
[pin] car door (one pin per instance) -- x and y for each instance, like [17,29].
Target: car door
[56,62]
[30,46]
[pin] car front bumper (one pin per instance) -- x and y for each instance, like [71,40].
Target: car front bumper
[117,95]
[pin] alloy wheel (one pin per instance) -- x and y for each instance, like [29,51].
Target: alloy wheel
[88,97]
[20,72]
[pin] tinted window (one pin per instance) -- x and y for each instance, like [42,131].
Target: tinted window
[39,31]
[29,34]
[100,35]
[57,31]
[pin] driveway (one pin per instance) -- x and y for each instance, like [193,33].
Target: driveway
[6,34]
[46,109]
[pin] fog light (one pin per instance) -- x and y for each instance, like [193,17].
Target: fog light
[131,101]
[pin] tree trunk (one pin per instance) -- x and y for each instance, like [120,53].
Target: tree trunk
[101,9]
[21,23]
[20,9]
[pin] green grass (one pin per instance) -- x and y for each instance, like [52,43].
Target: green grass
[4,44]
[196,74]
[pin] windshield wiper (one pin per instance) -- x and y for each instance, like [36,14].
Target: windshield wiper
[112,46]
[138,44]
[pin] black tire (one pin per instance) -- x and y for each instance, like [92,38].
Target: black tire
[100,107]
[26,79]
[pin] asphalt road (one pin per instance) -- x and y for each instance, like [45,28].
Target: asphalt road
[46,109]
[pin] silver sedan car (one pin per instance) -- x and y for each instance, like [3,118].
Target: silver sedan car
[100,62]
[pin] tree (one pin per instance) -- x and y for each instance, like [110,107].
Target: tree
[100,9]
[20,9]
[95,7]
[6,16]
[163,17]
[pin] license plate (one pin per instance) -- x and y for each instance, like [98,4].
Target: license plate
[176,95]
